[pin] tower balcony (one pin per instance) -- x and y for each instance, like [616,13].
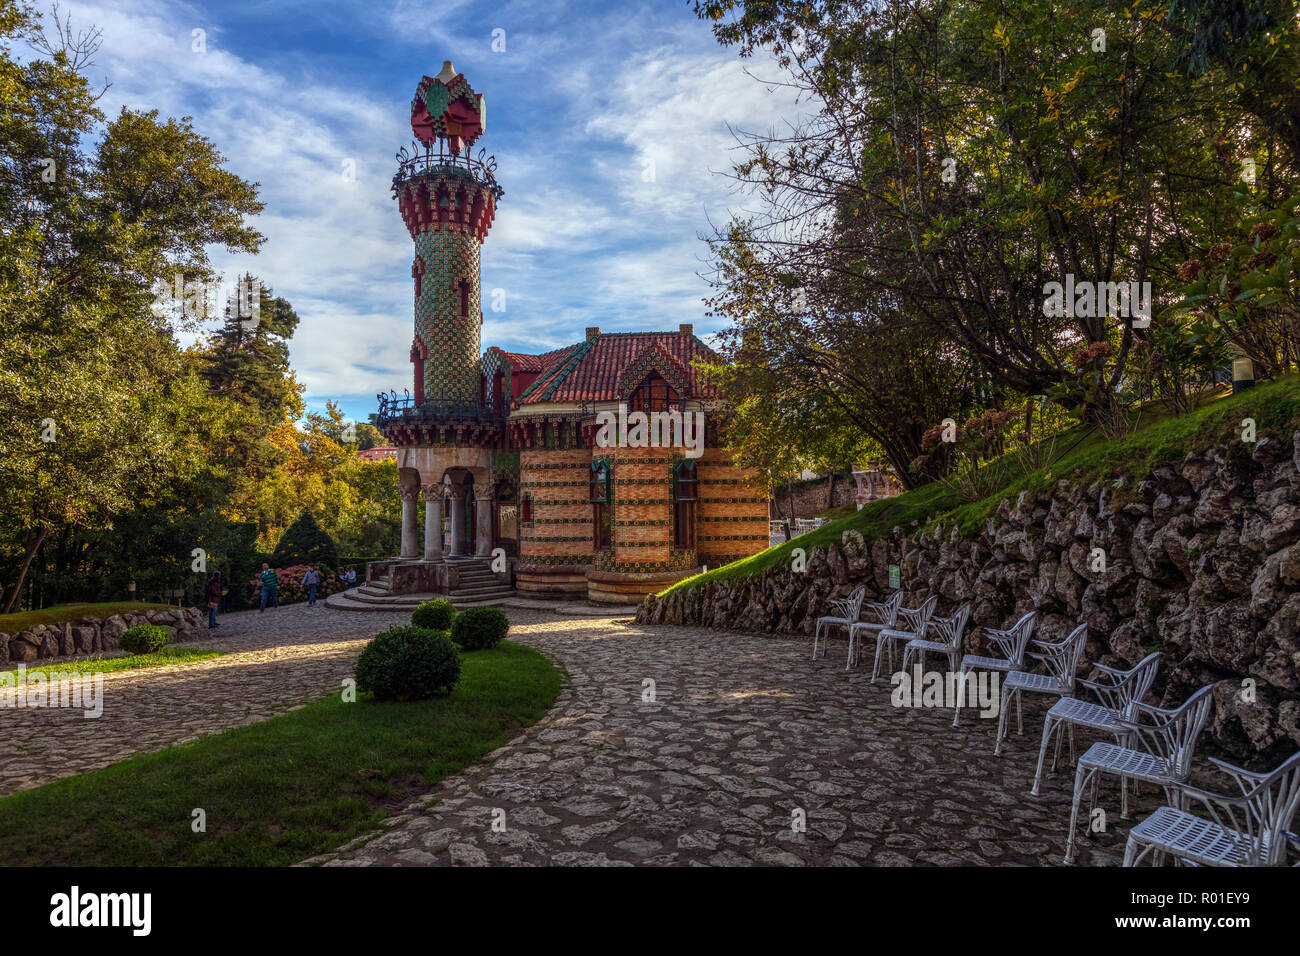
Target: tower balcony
[438,421]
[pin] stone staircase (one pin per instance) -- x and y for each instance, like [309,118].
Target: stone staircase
[478,585]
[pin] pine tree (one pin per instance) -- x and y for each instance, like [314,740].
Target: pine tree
[305,542]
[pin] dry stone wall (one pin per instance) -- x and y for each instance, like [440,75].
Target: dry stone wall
[92,635]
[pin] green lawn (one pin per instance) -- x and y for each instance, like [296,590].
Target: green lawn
[1082,455]
[96,664]
[284,789]
[16,623]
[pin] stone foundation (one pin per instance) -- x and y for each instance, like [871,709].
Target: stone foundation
[609,587]
[556,582]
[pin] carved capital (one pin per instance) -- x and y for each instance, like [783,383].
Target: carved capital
[409,492]
[484,491]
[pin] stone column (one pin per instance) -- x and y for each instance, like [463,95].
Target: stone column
[483,493]
[433,522]
[457,495]
[410,544]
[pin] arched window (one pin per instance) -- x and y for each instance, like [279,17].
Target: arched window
[526,508]
[653,395]
[602,506]
[685,494]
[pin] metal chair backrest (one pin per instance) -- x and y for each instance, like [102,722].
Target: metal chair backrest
[951,629]
[892,604]
[925,612]
[1024,629]
[1062,658]
[1273,805]
[850,607]
[1133,686]
[1173,733]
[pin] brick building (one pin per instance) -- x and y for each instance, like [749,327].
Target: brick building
[592,470]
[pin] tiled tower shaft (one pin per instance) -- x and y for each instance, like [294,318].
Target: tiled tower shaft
[447,211]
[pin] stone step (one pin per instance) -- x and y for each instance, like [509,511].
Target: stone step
[351,601]
[478,594]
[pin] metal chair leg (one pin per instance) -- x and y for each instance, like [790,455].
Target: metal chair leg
[1049,725]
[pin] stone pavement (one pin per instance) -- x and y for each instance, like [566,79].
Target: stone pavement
[744,732]
[275,662]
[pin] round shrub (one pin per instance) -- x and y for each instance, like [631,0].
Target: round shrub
[408,663]
[480,628]
[145,638]
[436,615]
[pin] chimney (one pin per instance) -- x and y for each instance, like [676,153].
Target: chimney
[687,328]
[592,332]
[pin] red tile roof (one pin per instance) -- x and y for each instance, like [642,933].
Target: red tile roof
[523,362]
[591,370]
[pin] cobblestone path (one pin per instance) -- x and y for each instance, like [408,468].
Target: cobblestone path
[274,662]
[743,736]
[744,733]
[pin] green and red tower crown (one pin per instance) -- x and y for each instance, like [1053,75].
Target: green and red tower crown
[447,198]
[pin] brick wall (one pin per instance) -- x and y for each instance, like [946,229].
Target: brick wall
[731,516]
[558,481]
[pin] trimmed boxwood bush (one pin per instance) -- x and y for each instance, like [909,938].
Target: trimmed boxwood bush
[408,663]
[145,638]
[437,615]
[479,628]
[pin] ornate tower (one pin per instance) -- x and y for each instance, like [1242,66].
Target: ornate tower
[447,199]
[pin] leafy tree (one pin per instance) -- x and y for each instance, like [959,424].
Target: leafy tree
[95,395]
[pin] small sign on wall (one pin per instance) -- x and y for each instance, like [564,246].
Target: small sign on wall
[895,578]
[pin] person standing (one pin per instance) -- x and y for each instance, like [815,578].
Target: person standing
[270,587]
[310,580]
[213,596]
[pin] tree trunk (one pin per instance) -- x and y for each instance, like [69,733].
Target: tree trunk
[830,490]
[32,547]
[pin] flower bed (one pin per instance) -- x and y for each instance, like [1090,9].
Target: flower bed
[292,590]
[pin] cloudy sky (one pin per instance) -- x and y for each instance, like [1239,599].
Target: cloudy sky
[609,121]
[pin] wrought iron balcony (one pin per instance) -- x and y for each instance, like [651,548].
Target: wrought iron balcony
[402,409]
[418,160]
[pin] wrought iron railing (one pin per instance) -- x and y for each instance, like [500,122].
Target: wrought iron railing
[394,408]
[418,160]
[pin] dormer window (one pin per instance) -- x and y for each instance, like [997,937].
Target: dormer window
[653,395]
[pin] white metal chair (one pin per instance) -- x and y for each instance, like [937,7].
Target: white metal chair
[885,613]
[1011,643]
[1167,740]
[1061,659]
[1249,830]
[1119,692]
[949,631]
[909,625]
[845,613]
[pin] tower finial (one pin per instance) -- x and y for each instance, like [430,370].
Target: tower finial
[446,108]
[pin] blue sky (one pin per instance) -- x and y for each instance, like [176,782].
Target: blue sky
[584,98]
